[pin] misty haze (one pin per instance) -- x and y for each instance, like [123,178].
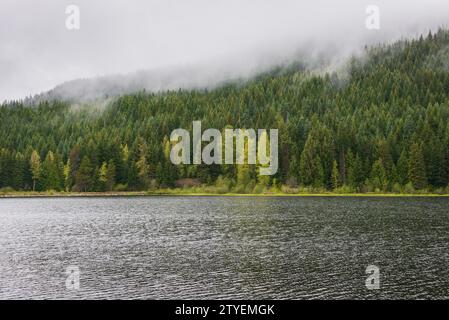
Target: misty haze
[160,45]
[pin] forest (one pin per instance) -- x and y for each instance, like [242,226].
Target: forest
[378,124]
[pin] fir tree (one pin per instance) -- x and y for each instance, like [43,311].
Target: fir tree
[35,165]
[84,180]
[335,176]
[110,176]
[417,167]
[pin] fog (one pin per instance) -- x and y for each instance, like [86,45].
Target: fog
[169,44]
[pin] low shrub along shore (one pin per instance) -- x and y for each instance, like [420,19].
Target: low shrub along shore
[204,191]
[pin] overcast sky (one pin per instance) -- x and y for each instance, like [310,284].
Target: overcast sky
[37,51]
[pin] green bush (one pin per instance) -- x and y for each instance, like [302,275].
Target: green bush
[7,190]
[121,187]
[409,188]
[397,188]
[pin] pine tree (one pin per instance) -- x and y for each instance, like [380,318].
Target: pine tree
[243,177]
[317,156]
[445,166]
[355,171]
[35,165]
[50,173]
[18,172]
[84,180]
[402,169]
[68,176]
[74,158]
[142,166]
[308,164]
[379,176]
[133,176]
[335,176]
[320,178]
[103,176]
[110,176]
[417,167]
[160,175]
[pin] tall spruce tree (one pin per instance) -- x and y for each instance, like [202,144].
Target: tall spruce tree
[417,167]
[35,165]
[84,180]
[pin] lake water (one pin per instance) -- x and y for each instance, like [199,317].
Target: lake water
[224,247]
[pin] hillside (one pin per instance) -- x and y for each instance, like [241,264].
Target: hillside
[380,125]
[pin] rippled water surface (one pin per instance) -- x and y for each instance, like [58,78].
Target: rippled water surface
[219,247]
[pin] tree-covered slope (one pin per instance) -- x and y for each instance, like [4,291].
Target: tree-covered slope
[380,124]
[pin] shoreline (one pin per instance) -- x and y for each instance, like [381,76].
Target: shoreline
[18,195]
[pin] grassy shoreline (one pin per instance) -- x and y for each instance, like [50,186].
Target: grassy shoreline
[30,194]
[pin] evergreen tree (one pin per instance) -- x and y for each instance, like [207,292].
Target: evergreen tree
[417,168]
[143,169]
[355,171]
[445,167]
[335,176]
[84,180]
[18,172]
[379,176]
[35,165]
[402,169]
[68,176]
[310,167]
[50,173]
[110,176]
[133,176]
[103,176]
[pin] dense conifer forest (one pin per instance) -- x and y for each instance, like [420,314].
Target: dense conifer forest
[380,124]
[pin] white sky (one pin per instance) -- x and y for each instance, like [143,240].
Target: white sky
[37,52]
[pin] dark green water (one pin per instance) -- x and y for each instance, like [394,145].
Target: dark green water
[218,247]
